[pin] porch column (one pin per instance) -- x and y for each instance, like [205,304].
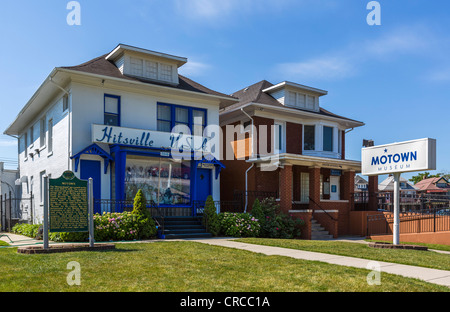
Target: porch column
[348,188]
[286,188]
[373,190]
[314,187]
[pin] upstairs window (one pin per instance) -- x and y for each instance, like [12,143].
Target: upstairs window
[170,115]
[112,110]
[309,138]
[327,139]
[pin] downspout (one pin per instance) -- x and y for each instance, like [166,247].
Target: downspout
[247,171]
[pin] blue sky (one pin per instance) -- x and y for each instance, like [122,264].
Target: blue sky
[394,77]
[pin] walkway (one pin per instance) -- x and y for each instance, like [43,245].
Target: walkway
[440,277]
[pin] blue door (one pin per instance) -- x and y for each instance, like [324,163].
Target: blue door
[203,180]
[92,169]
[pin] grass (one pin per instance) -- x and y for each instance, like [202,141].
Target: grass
[428,259]
[188,267]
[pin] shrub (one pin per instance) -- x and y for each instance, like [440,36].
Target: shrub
[274,223]
[146,227]
[139,204]
[210,217]
[29,230]
[239,224]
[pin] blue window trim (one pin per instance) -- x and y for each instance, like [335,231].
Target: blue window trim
[119,107]
[190,114]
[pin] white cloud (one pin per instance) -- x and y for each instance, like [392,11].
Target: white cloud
[319,68]
[345,62]
[211,10]
[194,69]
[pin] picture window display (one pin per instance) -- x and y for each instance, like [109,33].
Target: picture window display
[162,180]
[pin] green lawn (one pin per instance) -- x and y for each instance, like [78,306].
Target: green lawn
[427,259]
[188,267]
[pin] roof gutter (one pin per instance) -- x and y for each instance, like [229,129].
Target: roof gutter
[293,111]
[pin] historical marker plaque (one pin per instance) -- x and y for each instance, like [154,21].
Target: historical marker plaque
[68,204]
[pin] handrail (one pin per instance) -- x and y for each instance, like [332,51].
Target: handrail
[322,209]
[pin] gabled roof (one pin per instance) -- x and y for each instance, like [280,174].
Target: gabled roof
[388,184]
[101,66]
[255,94]
[430,184]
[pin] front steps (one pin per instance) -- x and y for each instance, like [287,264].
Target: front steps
[184,227]
[318,232]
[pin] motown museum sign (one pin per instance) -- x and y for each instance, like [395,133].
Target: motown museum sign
[416,155]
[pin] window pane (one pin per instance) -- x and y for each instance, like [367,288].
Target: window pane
[198,117]
[304,187]
[166,72]
[136,66]
[164,126]
[328,139]
[309,137]
[182,115]
[111,105]
[151,70]
[111,120]
[311,102]
[164,112]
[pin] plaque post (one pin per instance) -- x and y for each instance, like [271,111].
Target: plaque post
[45,227]
[91,212]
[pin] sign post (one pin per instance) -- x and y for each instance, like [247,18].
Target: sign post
[45,227]
[396,158]
[91,212]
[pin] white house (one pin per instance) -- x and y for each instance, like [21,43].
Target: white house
[112,119]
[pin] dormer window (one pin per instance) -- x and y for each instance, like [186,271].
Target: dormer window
[147,64]
[296,95]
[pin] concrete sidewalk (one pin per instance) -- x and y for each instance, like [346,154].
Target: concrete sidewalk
[16,240]
[440,277]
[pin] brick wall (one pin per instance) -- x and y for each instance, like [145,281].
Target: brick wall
[294,138]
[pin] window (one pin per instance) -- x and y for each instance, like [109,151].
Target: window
[166,72]
[278,137]
[50,135]
[112,110]
[65,102]
[170,116]
[304,187]
[340,141]
[199,121]
[25,144]
[31,135]
[311,102]
[309,138]
[42,132]
[164,118]
[151,69]
[136,66]
[327,139]
[161,180]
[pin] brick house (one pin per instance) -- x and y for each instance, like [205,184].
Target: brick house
[298,154]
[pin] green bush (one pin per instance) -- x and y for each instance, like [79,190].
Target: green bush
[210,217]
[29,230]
[239,225]
[139,204]
[274,223]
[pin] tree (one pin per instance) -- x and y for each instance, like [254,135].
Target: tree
[422,176]
[210,217]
